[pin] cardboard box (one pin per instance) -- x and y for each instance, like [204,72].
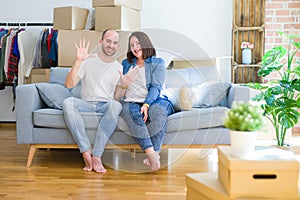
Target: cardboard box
[69,18]
[134,4]
[181,63]
[116,17]
[263,177]
[38,76]
[68,38]
[206,186]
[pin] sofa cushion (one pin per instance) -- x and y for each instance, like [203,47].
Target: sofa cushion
[53,94]
[208,94]
[203,95]
[197,118]
[54,118]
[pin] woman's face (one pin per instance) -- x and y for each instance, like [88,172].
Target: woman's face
[135,47]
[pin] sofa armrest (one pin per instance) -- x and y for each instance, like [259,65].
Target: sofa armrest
[27,101]
[238,93]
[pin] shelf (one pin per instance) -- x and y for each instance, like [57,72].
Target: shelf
[248,26]
[259,28]
[246,66]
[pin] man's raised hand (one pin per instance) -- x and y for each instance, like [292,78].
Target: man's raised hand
[82,50]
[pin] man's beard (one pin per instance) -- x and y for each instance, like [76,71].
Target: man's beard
[105,51]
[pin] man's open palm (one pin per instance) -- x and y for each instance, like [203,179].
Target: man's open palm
[82,50]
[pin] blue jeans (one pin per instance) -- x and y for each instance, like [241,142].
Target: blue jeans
[151,133]
[73,106]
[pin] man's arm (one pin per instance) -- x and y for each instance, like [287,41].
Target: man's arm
[72,78]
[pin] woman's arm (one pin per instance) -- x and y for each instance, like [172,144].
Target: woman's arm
[157,78]
[124,81]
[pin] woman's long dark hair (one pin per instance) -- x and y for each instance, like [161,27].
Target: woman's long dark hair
[146,45]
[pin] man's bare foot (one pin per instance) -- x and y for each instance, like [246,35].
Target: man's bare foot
[97,165]
[87,157]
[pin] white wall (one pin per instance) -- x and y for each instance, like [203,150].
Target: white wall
[35,10]
[207,23]
[189,28]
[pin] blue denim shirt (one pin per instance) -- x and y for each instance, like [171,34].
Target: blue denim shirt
[155,72]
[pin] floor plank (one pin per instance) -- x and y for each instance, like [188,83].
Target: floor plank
[57,174]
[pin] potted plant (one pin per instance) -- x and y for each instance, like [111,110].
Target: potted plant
[243,120]
[280,98]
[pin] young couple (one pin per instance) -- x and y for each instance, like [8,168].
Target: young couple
[104,83]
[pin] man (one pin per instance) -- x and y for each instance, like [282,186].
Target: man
[99,76]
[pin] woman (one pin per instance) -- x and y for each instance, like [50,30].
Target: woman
[144,109]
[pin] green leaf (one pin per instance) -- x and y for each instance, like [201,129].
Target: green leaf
[288,117]
[267,69]
[256,86]
[296,84]
[258,97]
[296,44]
[296,70]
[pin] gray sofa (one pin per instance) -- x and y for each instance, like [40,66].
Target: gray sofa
[42,126]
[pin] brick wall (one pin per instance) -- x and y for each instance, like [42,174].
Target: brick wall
[281,15]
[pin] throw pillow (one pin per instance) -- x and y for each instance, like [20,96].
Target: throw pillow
[185,100]
[209,94]
[179,97]
[53,94]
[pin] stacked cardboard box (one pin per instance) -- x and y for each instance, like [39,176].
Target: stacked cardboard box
[123,15]
[69,18]
[38,76]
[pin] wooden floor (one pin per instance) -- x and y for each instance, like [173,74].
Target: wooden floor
[57,174]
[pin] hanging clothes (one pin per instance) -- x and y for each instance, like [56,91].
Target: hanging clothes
[13,59]
[44,50]
[27,41]
[22,49]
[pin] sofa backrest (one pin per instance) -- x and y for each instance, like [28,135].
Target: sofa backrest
[175,78]
[191,76]
[58,74]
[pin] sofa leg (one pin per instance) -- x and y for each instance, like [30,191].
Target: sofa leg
[31,154]
[133,151]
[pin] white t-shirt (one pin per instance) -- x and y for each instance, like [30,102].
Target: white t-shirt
[98,79]
[137,90]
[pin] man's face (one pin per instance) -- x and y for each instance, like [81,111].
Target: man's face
[110,43]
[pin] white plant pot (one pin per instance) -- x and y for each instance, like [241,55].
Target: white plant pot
[246,56]
[242,143]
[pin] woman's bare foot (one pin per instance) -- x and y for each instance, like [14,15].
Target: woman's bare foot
[147,162]
[152,161]
[87,157]
[97,165]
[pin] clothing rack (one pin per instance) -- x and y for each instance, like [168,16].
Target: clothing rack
[25,24]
